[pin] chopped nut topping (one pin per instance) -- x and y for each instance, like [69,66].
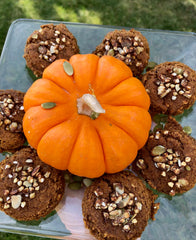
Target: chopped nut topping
[9,108]
[47,174]
[35,171]
[118,188]
[32,195]
[98,192]
[7,166]
[183,182]
[121,208]
[173,82]
[29,160]
[187,159]
[6,206]
[134,221]
[23,204]
[6,192]
[169,160]
[127,49]
[141,164]
[25,183]
[170,184]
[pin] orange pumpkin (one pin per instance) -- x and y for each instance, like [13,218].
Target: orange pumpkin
[89,122]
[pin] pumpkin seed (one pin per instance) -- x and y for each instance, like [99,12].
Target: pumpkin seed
[68,68]
[87,182]
[187,130]
[151,65]
[16,201]
[76,178]
[159,159]
[110,52]
[67,177]
[115,213]
[188,168]
[74,185]
[48,105]
[158,150]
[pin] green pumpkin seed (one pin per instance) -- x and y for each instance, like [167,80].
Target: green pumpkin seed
[67,177]
[111,52]
[158,150]
[48,105]
[87,182]
[74,185]
[188,168]
[76,178]
[150,66]
[187,130]
[68,68]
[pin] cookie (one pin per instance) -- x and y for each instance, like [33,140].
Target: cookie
[129,46]
[118,206]
[11,115]
[168,160]
[29,188]
[171,87]
[46,45]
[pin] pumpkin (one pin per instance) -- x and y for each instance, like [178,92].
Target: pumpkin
[88,115]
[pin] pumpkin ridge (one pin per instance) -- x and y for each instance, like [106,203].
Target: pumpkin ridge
[35,95]
[111,71]
[113,122]
[114,155]
[140,122]
[76,136]
[79,129]
[53,125]
[102,93]
[62,87]
[75,65]
[131,87]
[55,72]
[82,140]
[101,145]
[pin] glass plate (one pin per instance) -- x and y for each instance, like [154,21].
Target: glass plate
[176,218]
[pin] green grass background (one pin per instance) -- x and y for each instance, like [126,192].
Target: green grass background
[177,15]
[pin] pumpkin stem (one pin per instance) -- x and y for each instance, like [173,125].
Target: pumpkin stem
[88,105]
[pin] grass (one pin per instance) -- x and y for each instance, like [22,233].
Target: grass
[9,236]
[170,15]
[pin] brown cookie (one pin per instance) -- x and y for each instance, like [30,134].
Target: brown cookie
[11,115]
[29,188]
[118,206]
[171,87]
[168,160]
[129,46]
[46,45]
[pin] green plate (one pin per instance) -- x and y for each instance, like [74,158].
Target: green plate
[176,219]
